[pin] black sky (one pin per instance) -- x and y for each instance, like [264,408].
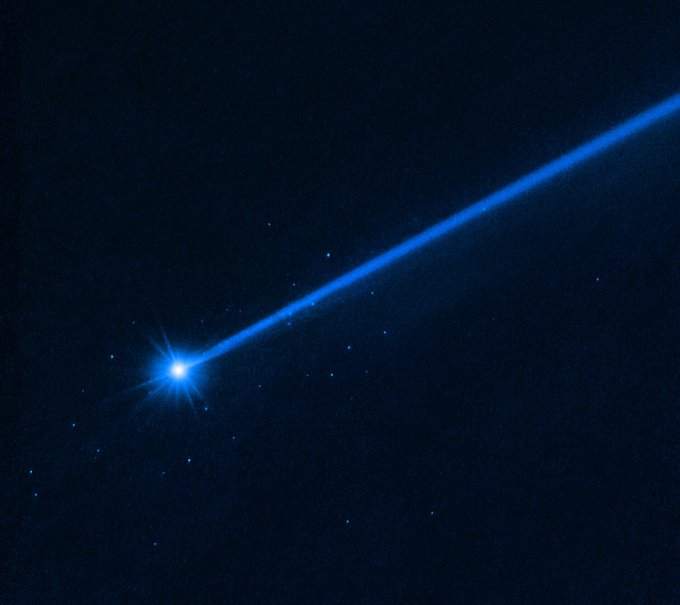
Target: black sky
[494,420]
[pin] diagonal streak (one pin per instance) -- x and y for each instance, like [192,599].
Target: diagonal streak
[523,185]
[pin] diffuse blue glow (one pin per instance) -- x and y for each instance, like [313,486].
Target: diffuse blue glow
[178,370]
[173,375]
[519,187]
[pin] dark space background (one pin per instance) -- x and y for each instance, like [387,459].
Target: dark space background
[504,425]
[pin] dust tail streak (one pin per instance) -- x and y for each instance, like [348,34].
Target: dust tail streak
[525,184]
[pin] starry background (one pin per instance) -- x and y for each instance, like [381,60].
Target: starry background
[493,420]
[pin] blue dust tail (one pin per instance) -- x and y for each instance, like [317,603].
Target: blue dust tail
[519,187]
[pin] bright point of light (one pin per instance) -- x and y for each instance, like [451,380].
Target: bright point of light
[178,370]
[174,375]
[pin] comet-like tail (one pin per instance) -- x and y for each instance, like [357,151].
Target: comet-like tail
[527,183]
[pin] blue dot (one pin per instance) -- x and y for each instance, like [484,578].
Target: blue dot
[328,254]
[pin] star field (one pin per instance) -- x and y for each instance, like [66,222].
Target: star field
[492,419]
